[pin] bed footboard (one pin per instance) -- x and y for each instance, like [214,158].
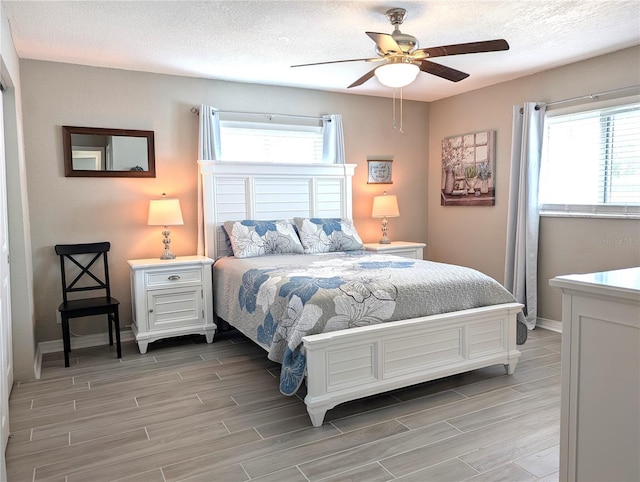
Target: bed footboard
[351,364]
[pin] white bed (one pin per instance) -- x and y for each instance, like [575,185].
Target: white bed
[442,345]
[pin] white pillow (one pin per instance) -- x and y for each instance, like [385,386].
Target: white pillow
[326,235]
[250,238]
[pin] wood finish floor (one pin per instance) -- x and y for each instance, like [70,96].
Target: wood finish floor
[190,411]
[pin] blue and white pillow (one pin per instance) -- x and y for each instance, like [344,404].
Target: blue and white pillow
[326,235]
[250,238]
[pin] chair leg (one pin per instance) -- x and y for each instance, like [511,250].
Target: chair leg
[66,339]
[109,320]
[116,322]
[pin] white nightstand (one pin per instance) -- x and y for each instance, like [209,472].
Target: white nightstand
[171,298]
[405,249]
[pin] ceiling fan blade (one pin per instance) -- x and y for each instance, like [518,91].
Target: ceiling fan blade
[441,71]
[467,48]
[385,42]
[336,62]
[363,79]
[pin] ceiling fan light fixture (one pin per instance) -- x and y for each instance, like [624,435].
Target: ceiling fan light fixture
[397,75]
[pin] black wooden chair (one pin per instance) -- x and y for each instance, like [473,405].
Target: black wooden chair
[80,264]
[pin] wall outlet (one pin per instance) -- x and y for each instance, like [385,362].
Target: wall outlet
[58,318]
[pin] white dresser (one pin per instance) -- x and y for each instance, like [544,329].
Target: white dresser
[600,408]
[171,298]
[405,249]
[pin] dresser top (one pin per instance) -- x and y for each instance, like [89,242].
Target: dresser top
[623,281]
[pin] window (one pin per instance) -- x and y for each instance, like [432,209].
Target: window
[261,142]
[591,162]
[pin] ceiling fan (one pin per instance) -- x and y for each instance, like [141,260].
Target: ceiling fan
[403,60]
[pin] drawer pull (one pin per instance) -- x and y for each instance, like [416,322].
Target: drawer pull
[174,277]
[151,310]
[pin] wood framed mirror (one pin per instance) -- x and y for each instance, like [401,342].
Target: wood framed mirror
[98,152]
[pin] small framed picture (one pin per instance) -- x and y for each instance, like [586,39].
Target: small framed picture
[379,172]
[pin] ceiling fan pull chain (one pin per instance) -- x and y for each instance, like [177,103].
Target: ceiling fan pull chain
[394,108]
[401,129]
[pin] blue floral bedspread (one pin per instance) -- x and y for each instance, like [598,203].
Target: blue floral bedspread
[276,300]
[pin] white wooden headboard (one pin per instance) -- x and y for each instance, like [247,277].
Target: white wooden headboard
[233,191]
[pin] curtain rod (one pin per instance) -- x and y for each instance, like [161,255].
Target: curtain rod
[195,110]
[596,95]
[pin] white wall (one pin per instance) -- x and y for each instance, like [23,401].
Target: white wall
[475,236]
[115,209]
[22,303]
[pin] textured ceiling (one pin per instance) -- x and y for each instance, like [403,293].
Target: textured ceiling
[258,41]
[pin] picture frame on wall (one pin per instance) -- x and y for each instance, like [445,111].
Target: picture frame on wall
[380,172]
[468,169]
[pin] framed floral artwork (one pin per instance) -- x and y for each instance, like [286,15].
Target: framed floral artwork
[379,172]
[468,169]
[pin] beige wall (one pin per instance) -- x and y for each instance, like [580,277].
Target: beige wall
[69,210]
[84,209]
[475,236]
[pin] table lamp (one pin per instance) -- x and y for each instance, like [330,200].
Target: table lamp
[385,207]
[165,212]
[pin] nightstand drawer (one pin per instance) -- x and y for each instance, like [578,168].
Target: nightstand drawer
[173,277]
[415,253]
[405,249]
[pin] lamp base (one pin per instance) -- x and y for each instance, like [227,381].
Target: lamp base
[385,239]
[167,254]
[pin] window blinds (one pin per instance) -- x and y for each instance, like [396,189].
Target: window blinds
[271,143]
[591,162]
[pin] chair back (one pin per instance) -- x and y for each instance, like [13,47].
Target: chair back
[81,269]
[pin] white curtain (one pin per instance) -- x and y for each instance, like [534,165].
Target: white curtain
[208,150]
[521,264]
[332,139]
[209,134]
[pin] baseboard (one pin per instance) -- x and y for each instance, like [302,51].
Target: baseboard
[37,363]
[551,325]
[83,341]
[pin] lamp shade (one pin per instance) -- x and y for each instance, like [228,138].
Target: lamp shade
[397,75]
[385,206]
[165,212]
